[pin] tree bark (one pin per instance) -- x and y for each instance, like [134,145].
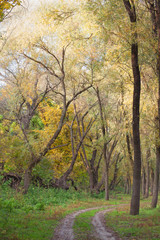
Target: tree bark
[152,181]
[143,182]
[128,185]
[156,180]
[106,159]
[27,180]
[135,201]
[115,175]
[129,149]
[155,18]
[106,182]
[147,174]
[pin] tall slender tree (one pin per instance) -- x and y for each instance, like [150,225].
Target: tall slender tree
[154,8]
[135,201]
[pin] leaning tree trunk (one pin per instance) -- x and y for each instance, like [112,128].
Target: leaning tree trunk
[135,201]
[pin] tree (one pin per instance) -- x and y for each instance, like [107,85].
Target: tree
[89,149]
[6,7]
[108,147]
[154,9]
[135,202]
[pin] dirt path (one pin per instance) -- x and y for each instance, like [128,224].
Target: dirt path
[65,232]
[102,232]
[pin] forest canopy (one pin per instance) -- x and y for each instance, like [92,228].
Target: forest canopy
[80,99]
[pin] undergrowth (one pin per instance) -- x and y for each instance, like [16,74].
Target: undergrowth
[35,215]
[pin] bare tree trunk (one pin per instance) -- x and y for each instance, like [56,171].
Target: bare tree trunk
[114,180]
[129,149]
[135,201]
[152,181]
[101,182]
[93,179]
[154,6]
[143,182]
[128,185]
[107,153]
[106,159]
[147,174]
[106,181]
[27,180]
[156,180]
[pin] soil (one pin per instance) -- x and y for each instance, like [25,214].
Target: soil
[99,223]
[64,230]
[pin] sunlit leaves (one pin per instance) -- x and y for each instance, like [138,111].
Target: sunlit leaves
[6,7]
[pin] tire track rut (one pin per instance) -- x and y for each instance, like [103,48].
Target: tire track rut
[64,231]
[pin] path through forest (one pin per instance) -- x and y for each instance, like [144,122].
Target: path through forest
[65,228]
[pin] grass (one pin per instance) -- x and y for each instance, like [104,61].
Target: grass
[83,228]
[36,215]
[145,226]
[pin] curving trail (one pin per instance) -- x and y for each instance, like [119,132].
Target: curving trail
[98,222]
[64,230]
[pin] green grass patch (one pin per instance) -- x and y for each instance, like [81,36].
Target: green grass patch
[36,215]
[145,226]
[83,229]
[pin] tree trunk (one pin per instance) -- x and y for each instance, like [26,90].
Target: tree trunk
[93,171]
[104,132]
[93,180]
[143,182]
[152,181]
[128,185]
[27,180]
[156,180]
[115,175]
[106,182]
[129,149]
[155,18]
[147,174]
[135,201]
[101,182]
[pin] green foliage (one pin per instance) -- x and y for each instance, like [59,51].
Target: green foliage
[35,215]
[36,123]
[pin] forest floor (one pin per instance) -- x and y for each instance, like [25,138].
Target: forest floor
[46,214]
[111,222]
